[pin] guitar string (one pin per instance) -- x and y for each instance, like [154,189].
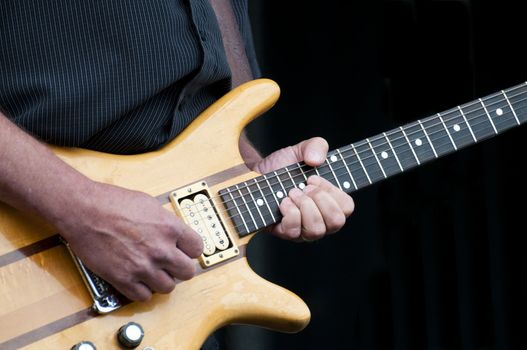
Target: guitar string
[299,166]
[419,131]
[358,179]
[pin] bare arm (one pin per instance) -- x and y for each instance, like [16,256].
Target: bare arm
[125,236]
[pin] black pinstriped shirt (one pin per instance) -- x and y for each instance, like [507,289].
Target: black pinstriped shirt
[120,76]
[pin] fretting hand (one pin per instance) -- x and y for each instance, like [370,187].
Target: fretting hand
[320,208]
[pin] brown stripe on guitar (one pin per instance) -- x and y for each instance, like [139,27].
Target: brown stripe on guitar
[82,316]
[27,251]
[47,330]
[53,241]
[211,180]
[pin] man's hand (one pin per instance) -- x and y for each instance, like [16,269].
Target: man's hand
[124,236]
[320,208]
[131,241]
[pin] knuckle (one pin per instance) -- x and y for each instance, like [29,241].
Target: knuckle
[185,271]
[335,222]
[166,287]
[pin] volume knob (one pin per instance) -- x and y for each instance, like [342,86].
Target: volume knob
[84,345]
[130,335]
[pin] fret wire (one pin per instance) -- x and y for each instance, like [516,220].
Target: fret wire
[264,199]
[272,190]
[247,206]
[468,124]
[411,147]
[376,158]
[344,157]
[512,109]
[428,138]
[288,173]
[448,132]
[362,165]
[343,160]
[334,175]
[239,211]
[302,171]
[488,115]
[280,182]
[393,151]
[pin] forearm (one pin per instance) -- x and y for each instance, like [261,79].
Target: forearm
[32,178]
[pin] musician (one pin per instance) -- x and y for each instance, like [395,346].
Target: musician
[127,77]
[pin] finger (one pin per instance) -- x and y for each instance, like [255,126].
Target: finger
[344,200]
[188,240]
[181,266]
[135,291]
[312,225]
[313,151]
[331,212]
[290,226]
[159,281]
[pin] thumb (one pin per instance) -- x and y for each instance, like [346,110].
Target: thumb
[312,151]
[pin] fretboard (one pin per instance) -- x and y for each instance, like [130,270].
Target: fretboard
[254,204]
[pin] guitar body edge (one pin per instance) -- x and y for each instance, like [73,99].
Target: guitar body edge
[47,305]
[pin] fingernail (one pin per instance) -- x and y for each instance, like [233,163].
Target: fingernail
[295,193]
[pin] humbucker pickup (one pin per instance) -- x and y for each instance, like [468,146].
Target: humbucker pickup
[194,205]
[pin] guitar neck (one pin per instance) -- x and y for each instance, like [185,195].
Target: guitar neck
[253,204]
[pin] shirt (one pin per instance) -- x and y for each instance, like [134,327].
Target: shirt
[117,76]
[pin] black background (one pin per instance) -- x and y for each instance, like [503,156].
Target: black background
[433,258]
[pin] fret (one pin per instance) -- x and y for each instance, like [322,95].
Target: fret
[510,106]
[334,175]
[253,200]
[300,166]
[347,169]
[293,183]
[437,135]
[458,128]
[249,210]
[280,194]
[478,120]
[500,111]
[420,142]
[448,132]
[286,180]
[518,99]
[359,158]
[271,189]
[234,210]
[264,201]
[360,177]
[428,138]
[411,147]
[467,123]
[402,149]
[298,176]
[387,156]
[376,158]
[488,115]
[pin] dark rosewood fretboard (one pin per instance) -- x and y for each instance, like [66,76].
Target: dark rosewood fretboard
[253,204]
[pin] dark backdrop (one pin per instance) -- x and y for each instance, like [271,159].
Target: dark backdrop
[433,258]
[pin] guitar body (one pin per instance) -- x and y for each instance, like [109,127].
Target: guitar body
[45,304]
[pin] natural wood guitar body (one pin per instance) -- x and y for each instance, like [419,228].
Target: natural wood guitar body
[44,303]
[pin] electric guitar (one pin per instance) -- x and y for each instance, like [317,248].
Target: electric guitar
[50,300]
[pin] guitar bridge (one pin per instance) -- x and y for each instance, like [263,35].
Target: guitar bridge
[194,205]
[104,296]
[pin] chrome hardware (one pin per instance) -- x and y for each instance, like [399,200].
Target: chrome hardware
[104,297]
